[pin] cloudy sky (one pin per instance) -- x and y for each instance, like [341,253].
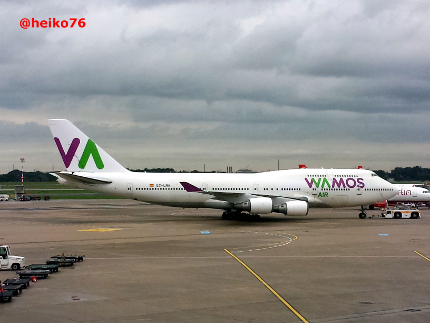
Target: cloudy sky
[180,84]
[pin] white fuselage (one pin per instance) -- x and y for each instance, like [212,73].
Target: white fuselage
[290,192]
[319,187]
[411,193]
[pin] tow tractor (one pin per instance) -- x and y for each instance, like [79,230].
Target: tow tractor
[7,261]
[5,295]
[402,212]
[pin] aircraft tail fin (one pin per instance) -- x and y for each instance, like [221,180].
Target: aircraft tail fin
[80,153]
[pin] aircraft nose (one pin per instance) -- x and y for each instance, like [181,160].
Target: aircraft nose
[392,190]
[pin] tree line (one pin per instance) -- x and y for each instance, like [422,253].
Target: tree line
[406,174]
[15,176]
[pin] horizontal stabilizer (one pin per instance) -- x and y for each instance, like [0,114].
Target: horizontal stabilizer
[83,178]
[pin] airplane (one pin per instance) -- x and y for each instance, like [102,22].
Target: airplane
[408,193]
[290,192]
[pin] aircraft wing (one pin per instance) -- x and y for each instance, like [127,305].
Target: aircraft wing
[224,196]
[190,188]
[83,178]
[236,197]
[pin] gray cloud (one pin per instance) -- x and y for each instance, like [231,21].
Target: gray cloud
[212,76]
[30,131]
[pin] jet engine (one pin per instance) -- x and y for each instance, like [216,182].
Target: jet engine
[292,208]
[264,205]
[259,205]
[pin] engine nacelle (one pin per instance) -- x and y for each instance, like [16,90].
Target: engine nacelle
[259,205]
[293,208]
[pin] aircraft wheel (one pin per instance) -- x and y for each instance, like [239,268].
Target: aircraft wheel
[362,215]
[226,216]
[236,215]
[255,217]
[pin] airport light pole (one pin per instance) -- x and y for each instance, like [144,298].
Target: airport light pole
[22,170]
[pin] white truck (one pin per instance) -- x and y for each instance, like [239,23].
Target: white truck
[402,213]
[4,197]
[7,261]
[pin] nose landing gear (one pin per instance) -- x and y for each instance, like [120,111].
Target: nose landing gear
[362,214]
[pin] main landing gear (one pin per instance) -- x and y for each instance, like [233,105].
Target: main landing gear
[362,214]
[235,215]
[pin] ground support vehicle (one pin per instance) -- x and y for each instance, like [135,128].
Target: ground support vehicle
[23,282]
[15,289]
[7,261]
[5,295]
[402,214]
[60,262]
[74,258]
[33,273]
[51,268]
[4,197]
[33,198]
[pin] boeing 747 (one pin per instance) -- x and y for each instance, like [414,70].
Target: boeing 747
[290,192]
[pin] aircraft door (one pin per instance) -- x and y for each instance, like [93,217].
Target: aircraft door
[323,180]
[314,192]
[129,188]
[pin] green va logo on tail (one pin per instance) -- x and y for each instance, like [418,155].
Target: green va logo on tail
[90,150]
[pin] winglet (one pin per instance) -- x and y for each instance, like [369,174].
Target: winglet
[190,188]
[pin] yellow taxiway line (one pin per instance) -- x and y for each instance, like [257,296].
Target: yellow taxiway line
[99,230]
[268,287]
[422,255]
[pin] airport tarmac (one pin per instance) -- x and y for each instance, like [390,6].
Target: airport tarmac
[160,264]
